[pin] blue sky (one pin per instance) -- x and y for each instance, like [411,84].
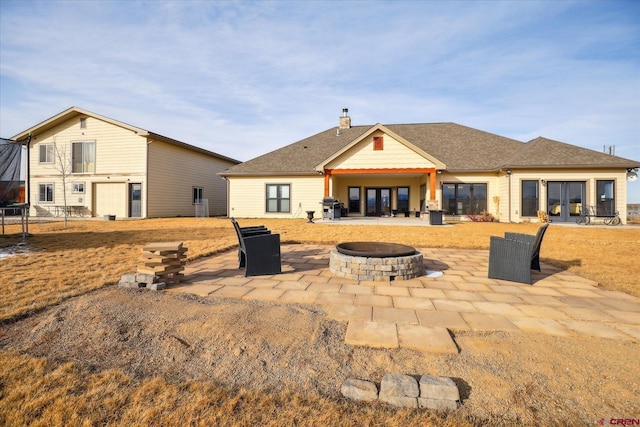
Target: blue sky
[244,78]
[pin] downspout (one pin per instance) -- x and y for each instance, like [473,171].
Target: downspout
[28,183]
[509,200]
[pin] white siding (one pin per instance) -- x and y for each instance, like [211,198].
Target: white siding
[248,196]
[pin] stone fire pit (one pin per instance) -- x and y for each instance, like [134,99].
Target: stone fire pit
[376,261]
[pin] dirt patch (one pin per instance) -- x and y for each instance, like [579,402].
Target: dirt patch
[503,378]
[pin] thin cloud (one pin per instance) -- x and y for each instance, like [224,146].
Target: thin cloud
[244,78]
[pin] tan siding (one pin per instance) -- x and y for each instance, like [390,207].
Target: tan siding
[174,171]
[394,155]
[120,157]
[589,176]
[248,196]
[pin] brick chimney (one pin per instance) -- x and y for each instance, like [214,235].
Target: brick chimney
[345,120]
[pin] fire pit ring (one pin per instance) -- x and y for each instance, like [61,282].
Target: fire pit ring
[375,249]
[376,261]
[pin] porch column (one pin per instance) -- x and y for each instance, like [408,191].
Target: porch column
[327,178]
[433,177]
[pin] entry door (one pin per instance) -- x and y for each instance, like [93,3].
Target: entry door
[378,201]
[135,200]
[565,200]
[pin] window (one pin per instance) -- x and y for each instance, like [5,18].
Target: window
[46,153]
[403,199]
[423,196]
[278,198]
[197,195]
[83,157]
[530,198]
[45,192]
[378,143]
[606,202]
[354,199]
[464,199]
[77,187]
[83,123]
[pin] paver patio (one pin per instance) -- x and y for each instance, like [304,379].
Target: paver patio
[419,313]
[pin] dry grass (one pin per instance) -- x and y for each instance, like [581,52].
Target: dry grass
[91,254]
[35,393]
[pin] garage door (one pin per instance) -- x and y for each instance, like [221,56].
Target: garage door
[110,198]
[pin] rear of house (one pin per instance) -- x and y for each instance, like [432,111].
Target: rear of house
[405,169]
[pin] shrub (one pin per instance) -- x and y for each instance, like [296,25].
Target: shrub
[483,217]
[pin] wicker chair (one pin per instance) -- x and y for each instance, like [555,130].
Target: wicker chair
[259,250]
[514,256]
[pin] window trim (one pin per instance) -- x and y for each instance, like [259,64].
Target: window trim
[53,153]
[359,200]
[600,200]
[278,198]
[408,199]
[84,171]
[40,193]
[78,187]
[197,191]
[456,198]
[522,199]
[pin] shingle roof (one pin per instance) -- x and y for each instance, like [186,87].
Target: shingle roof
[544,152]
[459,147]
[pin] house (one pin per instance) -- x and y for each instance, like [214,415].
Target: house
[104,167]
[404,169]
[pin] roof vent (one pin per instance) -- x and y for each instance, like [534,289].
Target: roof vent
[345,120]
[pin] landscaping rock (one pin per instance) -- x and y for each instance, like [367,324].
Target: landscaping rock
[146,278]
[439,388]
[399,390]
[359,390]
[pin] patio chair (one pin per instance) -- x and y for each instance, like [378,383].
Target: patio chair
[513,256]
[259,250]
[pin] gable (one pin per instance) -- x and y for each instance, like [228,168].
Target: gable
[379,150]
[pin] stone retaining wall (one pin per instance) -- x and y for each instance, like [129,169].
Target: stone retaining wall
[376,269]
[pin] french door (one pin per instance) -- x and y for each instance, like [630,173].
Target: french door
[565,200]
[378,201]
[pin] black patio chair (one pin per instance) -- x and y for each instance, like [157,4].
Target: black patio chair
[259,250]
[513,256]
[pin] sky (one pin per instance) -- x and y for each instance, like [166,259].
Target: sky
[242,78]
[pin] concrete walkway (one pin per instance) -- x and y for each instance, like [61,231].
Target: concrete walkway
[420,313]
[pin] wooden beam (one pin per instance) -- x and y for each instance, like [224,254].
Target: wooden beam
[387,171]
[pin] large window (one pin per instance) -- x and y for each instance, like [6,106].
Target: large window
[278,198]
[46,153]
[45,192]
[606,202]
[403,199]
[83,157]
[354,199]
[530,198]
[464,199]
